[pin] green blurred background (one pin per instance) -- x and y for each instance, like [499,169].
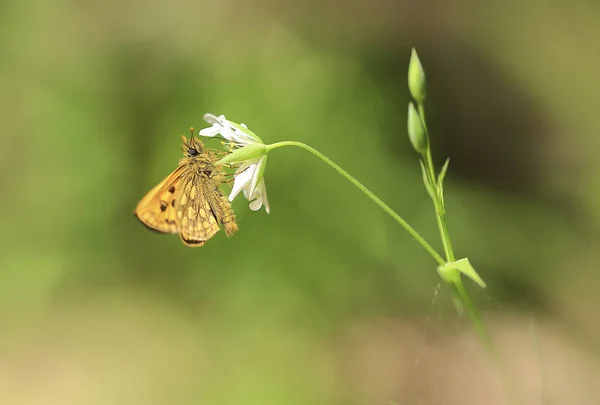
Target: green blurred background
[325,300]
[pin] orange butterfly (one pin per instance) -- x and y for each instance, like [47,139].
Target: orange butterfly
[189,201]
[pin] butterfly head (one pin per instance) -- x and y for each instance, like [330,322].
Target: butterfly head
[192,147]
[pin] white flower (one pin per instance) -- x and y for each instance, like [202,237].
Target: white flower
[248,177]
[249,152]
[239,134]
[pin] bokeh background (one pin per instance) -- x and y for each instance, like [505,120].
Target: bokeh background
[325,300]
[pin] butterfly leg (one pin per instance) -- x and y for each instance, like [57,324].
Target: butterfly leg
[231,145]
[233,175]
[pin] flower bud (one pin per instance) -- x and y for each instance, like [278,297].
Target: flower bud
[416,78]
[416,130]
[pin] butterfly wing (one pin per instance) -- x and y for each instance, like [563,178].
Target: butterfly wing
[157,209]
[197,221]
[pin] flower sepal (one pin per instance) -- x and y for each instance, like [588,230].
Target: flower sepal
[247,152]
[258,175]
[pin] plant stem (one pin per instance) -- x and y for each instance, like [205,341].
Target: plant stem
[367,192]
[487,340]
[440,211]
[474,315]
[454,278]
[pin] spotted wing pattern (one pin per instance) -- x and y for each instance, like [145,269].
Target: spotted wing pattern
[157,209]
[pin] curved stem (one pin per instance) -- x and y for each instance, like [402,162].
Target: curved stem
[366,191]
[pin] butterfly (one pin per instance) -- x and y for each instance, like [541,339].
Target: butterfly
[189,201]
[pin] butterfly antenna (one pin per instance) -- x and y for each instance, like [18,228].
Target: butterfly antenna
[191,134]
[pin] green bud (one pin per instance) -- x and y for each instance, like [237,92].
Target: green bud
[416,78]
[416,130]
[248,152]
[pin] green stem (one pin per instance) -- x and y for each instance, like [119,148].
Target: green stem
[454,278]
[367,192]
[440,211]
[474,315]
[487,340]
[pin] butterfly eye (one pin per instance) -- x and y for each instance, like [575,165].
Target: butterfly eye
[192,152]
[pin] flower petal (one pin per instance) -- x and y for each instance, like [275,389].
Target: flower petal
[241,182]
[238,185]
[259,198]
[256,204]
[245,135]
[212,119]
[220,125]
[230,130]
[210,131]
[262,189]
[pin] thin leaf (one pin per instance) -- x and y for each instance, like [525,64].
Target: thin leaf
[441,181]
[443,172]
[426,181]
